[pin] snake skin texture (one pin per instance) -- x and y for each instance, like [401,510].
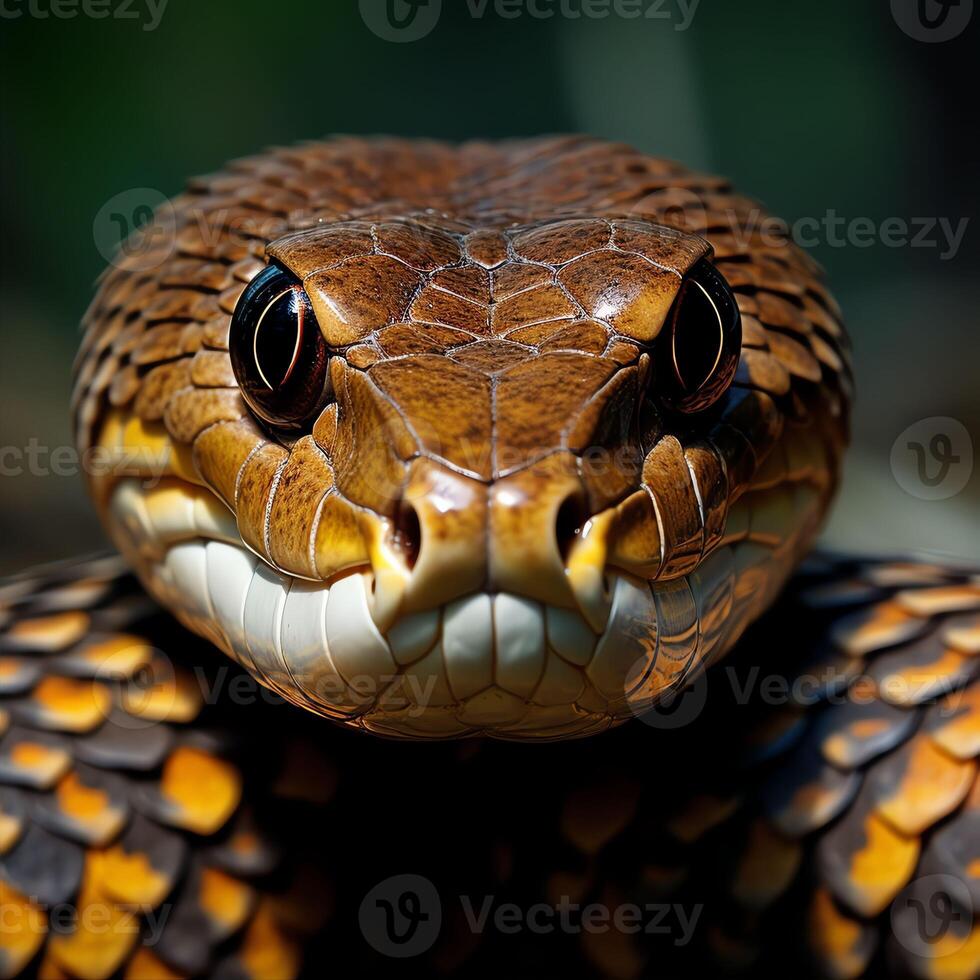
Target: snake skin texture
[134,804]
[493,314]
[161,817]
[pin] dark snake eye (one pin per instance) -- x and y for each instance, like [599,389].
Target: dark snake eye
[278,352]
[700,343]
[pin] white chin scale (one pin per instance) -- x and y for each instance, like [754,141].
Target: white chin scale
[498,664]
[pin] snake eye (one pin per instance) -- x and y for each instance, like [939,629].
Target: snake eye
[278,352]
[700,342]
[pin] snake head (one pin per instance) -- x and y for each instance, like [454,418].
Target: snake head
[436,475]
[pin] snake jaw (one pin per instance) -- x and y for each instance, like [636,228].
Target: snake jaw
[496,664]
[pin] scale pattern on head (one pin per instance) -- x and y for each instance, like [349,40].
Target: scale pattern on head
[509,485]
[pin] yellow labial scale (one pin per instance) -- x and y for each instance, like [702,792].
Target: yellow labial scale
[130,446]
[585,569]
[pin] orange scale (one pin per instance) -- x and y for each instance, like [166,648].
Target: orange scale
[200,790]
[104,933]
[68,705]
[919,785]
[89,810]
[25,929]
[47,634]
[225,900]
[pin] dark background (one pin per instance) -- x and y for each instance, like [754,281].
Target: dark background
[810,107]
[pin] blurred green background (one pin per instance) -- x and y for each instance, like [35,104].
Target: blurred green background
[809,107]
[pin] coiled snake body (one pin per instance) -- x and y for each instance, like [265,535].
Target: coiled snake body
[512,440]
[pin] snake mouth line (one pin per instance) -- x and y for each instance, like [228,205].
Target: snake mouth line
[496,664]
[484,664]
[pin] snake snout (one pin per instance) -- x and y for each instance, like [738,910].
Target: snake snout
[529,534]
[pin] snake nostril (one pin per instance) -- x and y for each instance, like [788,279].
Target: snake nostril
[408,533]
[572,517]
